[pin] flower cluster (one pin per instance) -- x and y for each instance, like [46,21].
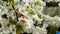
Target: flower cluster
[24,16]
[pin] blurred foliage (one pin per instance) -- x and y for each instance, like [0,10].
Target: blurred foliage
[37,3]
[42,23]
[58,12]
[9,1]
[19,29]
[36,23]
[27,9]
[11,21]
[52,29]
[21,0]
[39,16]
[55,13]
[5,0]
[59,28]
[52,4]
[10,4]
[32,12]
[0,25]
[4,16]
[52,14]
[45,12]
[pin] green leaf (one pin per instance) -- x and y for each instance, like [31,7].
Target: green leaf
[36,3]
[39,16]
[21,0]
[53,14]
[19,29]
[5,0]
[11,1]
[44,12]
[52,29]
[27,9]
[11,21]
[32,12]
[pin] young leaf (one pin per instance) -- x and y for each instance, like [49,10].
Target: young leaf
[11,21]
[27,9]
[32,12]
[19,29]
[36,3]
